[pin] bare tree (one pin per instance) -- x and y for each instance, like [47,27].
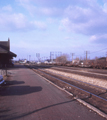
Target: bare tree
[61,59]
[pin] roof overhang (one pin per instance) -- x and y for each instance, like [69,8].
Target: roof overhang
[12,54]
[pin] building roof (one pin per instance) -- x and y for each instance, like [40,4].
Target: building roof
[12,54]
[5,48]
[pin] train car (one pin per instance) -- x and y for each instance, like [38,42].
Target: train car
[99,63]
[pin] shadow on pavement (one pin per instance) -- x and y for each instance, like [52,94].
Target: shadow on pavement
[3,113]
[19,90]
[14,82]
[37,110]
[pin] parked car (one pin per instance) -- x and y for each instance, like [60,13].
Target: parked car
[1,80]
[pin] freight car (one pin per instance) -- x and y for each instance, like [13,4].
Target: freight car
[99,63]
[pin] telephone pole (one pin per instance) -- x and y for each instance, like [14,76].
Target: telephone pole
[86,52]
[72,56]
[38,56]
[106,56]
[51,56]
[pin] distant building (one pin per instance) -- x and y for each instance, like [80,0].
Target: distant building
[102,58]
[5,54]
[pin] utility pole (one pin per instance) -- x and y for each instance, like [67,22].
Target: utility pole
[38,56]
[72,56]
[51,56]
[106,56]
[86,52]
[29,57]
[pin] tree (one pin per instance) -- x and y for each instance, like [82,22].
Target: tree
[61,59]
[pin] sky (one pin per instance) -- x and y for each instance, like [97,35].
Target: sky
[54,26]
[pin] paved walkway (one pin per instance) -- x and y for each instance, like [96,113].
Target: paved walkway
[27,96]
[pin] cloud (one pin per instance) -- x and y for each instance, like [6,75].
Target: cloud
[38,24]
[105,7]
[85,17]
[18,22]
[67,38]
[57,3]
[34,9]
[7,8]
[56,8]
[51,11]
[99,38]
[88,21]
[12,22]
[44,3]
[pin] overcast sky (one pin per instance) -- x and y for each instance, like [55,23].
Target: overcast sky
[44,26]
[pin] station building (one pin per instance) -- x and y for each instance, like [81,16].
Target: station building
[5,54]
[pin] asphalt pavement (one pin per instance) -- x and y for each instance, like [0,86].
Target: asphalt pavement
[27,96]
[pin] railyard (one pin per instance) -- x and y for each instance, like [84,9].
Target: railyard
[55,66]
[27,95]
[91,88]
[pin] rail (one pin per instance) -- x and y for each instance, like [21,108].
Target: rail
[95,100]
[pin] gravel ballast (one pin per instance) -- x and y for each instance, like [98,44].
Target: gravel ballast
[91,80]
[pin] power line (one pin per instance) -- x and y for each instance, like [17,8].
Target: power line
[93,52]
[98,50]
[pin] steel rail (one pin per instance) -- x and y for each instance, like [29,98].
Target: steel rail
[80,71]
[79,81]
[90,94]
[77,92]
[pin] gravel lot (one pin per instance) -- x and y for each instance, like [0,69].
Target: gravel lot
[91,80]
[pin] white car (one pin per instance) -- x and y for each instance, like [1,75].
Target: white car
[1,80]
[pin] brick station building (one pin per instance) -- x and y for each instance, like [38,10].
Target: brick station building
[5,54]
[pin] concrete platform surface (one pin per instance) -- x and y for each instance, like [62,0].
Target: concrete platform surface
[27,96]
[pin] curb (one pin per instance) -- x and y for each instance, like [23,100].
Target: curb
[79,100]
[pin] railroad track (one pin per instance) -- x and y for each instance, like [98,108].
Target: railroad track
[84,70]
[91,94]
[80,71]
